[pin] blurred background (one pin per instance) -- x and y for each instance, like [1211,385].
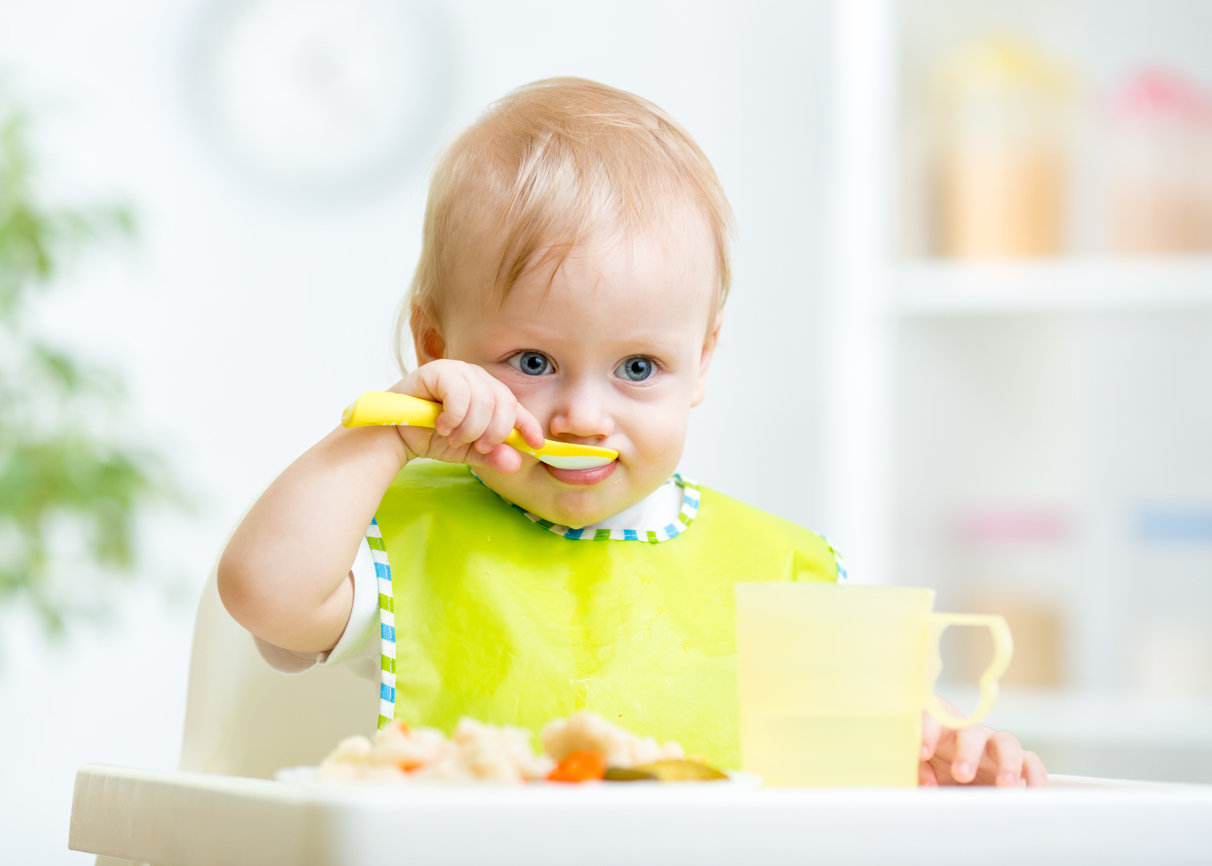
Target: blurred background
[968,338]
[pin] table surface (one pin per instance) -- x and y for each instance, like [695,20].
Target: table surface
[191,819]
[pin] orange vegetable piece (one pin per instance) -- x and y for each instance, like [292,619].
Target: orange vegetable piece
[580,766]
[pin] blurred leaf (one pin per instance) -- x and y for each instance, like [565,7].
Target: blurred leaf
[70,497]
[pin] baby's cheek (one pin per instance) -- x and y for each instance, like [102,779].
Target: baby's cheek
[664,439]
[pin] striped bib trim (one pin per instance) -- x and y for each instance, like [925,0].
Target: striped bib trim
[690,509]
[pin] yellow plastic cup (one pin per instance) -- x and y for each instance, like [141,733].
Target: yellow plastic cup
[833,681]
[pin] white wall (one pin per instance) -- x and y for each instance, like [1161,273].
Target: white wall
[244,319]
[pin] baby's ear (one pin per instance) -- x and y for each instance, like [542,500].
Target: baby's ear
[709,344]
[425,336]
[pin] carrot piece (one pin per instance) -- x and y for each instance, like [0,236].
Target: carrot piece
[579,767]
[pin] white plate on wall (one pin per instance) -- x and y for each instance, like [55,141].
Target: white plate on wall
[320,97]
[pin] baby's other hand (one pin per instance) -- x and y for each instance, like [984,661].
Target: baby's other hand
[976,755]
[478,412]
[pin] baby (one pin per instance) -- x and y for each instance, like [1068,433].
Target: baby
[571,284]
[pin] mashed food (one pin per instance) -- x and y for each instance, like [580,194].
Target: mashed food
[479,752]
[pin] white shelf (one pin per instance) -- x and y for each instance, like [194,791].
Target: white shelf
[1093,718]
[936,289]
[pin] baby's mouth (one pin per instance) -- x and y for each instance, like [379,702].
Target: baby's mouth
[583,477]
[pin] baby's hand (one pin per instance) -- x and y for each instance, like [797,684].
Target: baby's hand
[975,755]
[478,412]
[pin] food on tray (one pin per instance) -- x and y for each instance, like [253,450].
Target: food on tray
[582,748]
[669,770]
[589,732]
[579,767]
[473,751]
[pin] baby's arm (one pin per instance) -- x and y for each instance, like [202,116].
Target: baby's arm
[284,575]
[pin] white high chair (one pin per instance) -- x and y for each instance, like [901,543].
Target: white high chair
[244,719]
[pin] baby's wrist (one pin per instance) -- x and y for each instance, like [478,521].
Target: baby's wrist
[380,444]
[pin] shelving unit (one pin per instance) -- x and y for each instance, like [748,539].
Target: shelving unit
[1072,393]
[937,289]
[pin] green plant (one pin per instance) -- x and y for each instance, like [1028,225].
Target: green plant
[71,489]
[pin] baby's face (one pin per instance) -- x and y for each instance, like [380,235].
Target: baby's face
[615,355]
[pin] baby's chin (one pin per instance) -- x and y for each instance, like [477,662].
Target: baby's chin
[577,513]
[575,509]
[573,518]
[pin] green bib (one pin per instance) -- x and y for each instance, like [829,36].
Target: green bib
[490,614]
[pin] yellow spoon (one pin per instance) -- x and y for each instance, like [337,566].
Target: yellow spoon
[376,408]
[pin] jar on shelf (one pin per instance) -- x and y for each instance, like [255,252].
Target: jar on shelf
[1169,643]
[1001,119]
[1159,165]
[1016,560]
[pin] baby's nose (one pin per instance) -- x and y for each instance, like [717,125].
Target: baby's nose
[582,413]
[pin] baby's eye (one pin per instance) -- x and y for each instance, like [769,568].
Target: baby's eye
[636,369]
[531,363]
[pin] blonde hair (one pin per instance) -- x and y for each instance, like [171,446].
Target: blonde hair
[550,164]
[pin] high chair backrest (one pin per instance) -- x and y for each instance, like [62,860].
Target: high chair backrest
[244,719]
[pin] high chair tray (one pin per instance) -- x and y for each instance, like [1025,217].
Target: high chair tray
[190,819]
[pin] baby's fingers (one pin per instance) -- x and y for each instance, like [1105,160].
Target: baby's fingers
[475,406]
[500,409]
[449,383]
[1033,771]
[502,457]
[1007,756]
[926,775]
[478,413]
[970,745]
[530,428]
[488,416]
[931,732]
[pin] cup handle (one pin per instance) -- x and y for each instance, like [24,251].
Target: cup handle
[1003,648]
